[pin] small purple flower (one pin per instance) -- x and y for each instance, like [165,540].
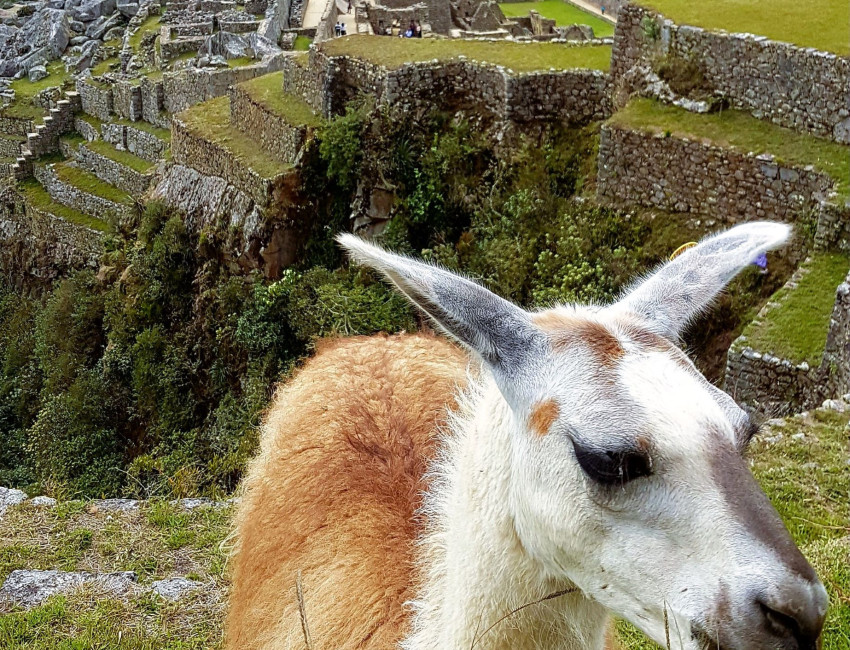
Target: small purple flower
[761,262]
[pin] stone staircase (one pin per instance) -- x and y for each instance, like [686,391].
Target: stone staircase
[44,139]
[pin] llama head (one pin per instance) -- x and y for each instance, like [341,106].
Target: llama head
[627,472]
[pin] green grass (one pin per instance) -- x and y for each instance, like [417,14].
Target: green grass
[90,183]
[520,57]
[240,61]
[796,328]
[104,66]
[95,122]
[302,43]
[151,24]
[211,121]
[162,134]
[268,91]
[807,481]
[742,132]
[25,90]
[38,197]
[563,13]
[122,157]
[814,23]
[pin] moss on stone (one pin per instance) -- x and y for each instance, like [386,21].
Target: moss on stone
[302,43]
[741,132]
[796,328]
[519,57]
[211,121]
[38,197]
[268,91]
[121,157]
[91,184]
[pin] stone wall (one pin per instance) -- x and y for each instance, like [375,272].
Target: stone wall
[96,98]
[328,83]
[16,126]
[153,102]
[127,99]
[796,87]
[680,175]
[777,386]
[85,129]
[213,160]
[277,137]
[192,86]
[37,247]
[75,198]
[139,142]
[114,173]
[276,20]
[10,147]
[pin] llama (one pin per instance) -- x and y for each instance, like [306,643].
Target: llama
[561,466]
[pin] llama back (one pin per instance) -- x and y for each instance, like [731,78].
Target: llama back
[333,492]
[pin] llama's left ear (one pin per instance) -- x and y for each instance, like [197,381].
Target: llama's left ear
[670,298]
[499,331]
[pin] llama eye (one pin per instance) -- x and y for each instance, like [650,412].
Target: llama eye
[611,467]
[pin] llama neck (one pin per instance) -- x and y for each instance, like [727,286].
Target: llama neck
[474,567]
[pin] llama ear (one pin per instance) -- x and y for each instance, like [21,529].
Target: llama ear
[499,331]
[681,289]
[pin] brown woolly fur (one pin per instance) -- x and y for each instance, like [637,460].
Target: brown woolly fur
[333,493]
[565,331]
[543,415]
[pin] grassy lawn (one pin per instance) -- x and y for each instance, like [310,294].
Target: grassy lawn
[267,90]
[520,57]
[211,121]
[740,131]
[241,61]
[814,23]
[302,43]
[38,197]
[156,542]
[808,482]
[796,329]
[90,183]
[151,24]
[26,90]
[105,66]
[564,14]
[162,134]
[122,157]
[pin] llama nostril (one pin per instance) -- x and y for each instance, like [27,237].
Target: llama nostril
[800,620]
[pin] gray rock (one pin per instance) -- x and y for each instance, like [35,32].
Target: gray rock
[70,4]
[113,21]
[576,32]
[82,60]
[43,501]
[260,46]
[79,40]
[27,588]
[216,60]
[92,10]
[115,505]
[129,9]
[77,26]
[230,46]
[37,73]
[174,589]
[48,28]
[834,405]
[9,497]
[114,33]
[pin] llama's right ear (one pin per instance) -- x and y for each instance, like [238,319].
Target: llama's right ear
[499,331]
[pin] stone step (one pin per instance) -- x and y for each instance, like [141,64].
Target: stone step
[76,188]
[279,122]
[120,169]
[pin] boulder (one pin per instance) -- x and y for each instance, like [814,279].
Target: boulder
[48,28]
[79,40]
[114,33]
[10,497]
[43,501]
[260,46]
[77,26]
[37,73]
[104,24]
[27,588]
[128,9]
[230,46]
[94,9]
[82,60]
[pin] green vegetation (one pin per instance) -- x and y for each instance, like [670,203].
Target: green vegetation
[162,134]
[105,66]
[520,57]
[93,121]
[742,132]
[90,183]
[240,61]
[268,91]
[821,24]
[38,197]
[123,157]
[561,12]
[211,120]
[149,26]
[796,328]
[157,542]
[26,90]
[302,43]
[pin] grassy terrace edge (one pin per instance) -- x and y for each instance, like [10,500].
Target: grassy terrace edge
[796,327]
[266,90]
[39,199]
[562,13]
[519,57]
[210,121]
[740,132]
[821,24]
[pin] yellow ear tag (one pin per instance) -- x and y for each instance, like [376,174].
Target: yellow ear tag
[682,249]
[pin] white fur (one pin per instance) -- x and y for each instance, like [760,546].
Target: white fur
[511,515]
